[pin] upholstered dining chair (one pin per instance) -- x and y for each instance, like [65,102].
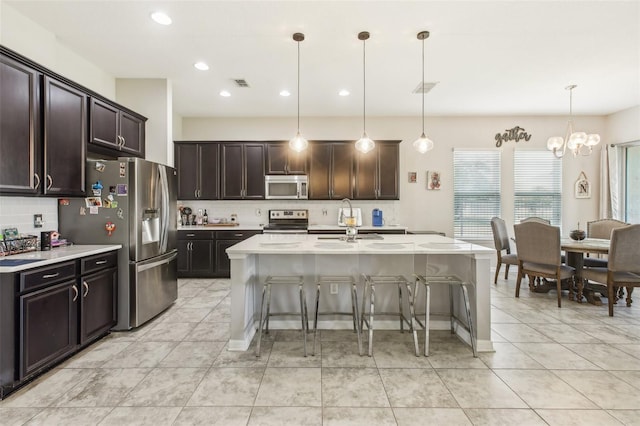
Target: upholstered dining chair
[501,242]
[601,229]
[623,267]
[538,246]
[535,219]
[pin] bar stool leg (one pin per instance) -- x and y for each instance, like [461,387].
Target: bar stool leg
[451,311]
[302,318]
[400,307]
[268,307]
[261,320]
[426,319]
[467,305]
[354,309]
[315,322]
[412,314]
[372,298]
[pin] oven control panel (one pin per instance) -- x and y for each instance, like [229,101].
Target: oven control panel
[288,214]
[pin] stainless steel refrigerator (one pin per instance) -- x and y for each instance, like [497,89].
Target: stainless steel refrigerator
[130,201]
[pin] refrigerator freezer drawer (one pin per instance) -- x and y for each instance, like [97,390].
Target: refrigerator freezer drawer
[153,287]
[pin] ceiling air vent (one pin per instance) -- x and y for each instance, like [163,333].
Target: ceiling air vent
[241,82]
[420,88]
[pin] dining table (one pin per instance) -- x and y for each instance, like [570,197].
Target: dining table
[575,251]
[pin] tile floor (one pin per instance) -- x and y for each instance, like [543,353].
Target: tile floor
[568,366]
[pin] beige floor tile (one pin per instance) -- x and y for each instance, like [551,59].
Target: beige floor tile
[416,388]
[507,355]
[578,418]
[520,333]
[213,416]
[291,354]
[627,417]
[555,356]
[141,354]
[344,354]
[17,416]
[543,389]
[290,387]
[209,332]
[165,387]
[609,333]
[504,417]
[455,354]
[431,417]
[168,331]
[248,358]
[564,333]
[98,355]
[631,377]
[69,416]
[228,387]
[349,416]
[353,387]
[103,388]
[193,354]
[631,349]
[46,390]
[465,385]
[604,389]
[607,357]
[141,416]
[278,416]
[397,355]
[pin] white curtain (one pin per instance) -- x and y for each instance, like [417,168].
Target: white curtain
[604,205]
[610,183]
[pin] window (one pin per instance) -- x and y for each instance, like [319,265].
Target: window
[631,184]
[476,192]
[537,186]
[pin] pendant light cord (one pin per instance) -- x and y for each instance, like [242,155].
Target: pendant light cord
[422,86]
[298,87]
[364,85]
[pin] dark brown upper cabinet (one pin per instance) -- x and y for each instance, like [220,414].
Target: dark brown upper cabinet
[20,141]
[282,160]
[330,170]
[376,176]
[242,165]
[198,170]
[116,129]
[65,139]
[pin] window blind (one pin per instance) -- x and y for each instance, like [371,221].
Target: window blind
[476,187]
[537,186]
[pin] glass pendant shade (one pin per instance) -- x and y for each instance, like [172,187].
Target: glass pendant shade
[365,144]
[298,143]
[592,140]
[423,144]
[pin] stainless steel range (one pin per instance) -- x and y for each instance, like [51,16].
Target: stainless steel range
[287,222]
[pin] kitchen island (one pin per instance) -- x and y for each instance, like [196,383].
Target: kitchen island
[256,258]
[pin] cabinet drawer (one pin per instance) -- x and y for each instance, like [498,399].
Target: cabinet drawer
[236,235]
[100,261]
[196,235]
[41,277]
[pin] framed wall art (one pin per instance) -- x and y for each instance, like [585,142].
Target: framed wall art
[433,180]
[583,187]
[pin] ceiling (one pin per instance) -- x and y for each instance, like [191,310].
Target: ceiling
[487,57]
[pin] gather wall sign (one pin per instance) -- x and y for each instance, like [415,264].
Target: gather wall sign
[515,134]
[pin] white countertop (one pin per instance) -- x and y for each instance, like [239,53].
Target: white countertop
[389,244]
[220,228]
[363,228]
[55,255]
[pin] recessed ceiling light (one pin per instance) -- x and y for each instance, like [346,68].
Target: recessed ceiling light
[225,93]
[285,93]
[344,92]
[161,18]
[201,66]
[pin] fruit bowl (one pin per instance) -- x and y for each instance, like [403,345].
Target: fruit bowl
[578,235]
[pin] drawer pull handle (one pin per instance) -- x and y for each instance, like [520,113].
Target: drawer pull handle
[191,235]
[51,275]
[86,288]
[75,290]
[101,262]
[238,235]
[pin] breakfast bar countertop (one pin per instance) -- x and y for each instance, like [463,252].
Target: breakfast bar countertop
[35,259]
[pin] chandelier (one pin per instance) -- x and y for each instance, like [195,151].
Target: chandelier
[576,142]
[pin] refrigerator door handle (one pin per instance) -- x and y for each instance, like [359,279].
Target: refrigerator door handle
[164,217]
[157,263]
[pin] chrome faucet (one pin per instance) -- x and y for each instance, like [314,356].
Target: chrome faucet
[350,221]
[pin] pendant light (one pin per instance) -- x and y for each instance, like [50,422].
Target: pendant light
[576,142]
[423,143]
[298,143]
[364,144]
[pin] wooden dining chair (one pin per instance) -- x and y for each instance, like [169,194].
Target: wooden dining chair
[538,246]
[601,229]
[501,243]
[623,266]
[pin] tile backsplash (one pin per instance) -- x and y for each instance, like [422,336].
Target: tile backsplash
[320,212]
[17,212]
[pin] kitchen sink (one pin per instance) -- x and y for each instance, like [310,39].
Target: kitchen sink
[358,237]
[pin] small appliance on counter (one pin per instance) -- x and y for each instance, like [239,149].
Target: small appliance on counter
[344,212]
[376,217]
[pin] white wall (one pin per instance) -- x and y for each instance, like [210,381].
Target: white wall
[624,126]
[418,208]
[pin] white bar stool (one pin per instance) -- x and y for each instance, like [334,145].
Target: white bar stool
[370,283]
[266,298]
[327,280]
[450,281]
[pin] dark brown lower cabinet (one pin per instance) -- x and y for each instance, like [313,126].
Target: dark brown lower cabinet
[224,240]
[98,312]
[48,326]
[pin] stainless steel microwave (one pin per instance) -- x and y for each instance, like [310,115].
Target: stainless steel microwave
[288,187]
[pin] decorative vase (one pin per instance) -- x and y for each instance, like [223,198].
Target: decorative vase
[578,235]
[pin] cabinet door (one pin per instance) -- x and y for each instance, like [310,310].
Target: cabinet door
[187,161]
[201,257]
[132,132]
[65,131]
[20,169]
[388,171]
[277,158]
[98,304]
[366,175]
[342,171]
[223,265]
[254,171]
[232,171]
[296,162]
[319,171]
[103,124]
[208,171]
[184,254]
[48,326]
